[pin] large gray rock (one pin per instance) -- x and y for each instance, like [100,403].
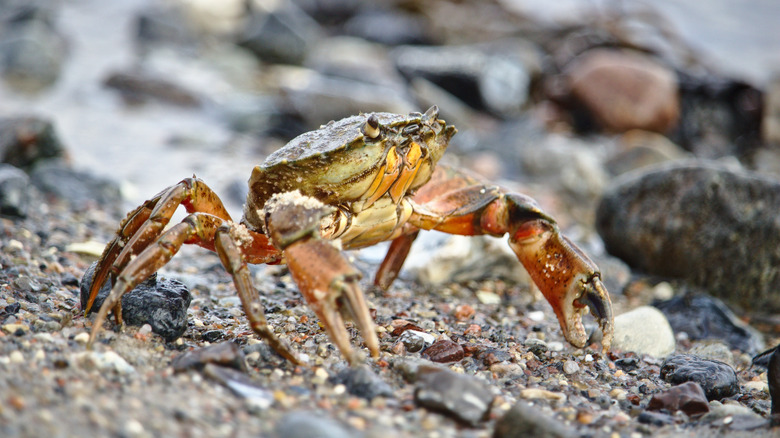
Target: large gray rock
[715,227]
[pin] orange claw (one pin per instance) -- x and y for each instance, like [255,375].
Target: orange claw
[568,279]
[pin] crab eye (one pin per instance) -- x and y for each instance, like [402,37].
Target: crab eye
[371,127]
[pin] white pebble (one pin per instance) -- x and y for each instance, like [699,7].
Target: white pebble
[81,338]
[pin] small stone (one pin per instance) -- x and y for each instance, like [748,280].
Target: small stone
[82,338]
[107,361]
[240,384]
[226,354]
[655,418]
[362,382]
[303,424]
[16,357]
[756,386]
[724,410]
[717,379]
[161,303]
[570,367]
[414,340]
[16,328]
[543,394]
[462,397]
[444,350]
[618,394]
[14,191]
[703,317]
[644,330]
[524,420]
[688,397]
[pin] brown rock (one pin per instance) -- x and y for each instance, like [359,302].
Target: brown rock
[623,91]
[688,397]
[444,350]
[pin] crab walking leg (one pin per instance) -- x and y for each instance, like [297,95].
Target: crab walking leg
[145,224]
[234,262]
[195,228]
[330,286]
[396,255]
[456,203]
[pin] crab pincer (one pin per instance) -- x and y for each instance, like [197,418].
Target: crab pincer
[325,279]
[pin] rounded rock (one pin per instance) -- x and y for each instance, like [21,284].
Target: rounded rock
[624,91]
[644,330]
[718,229]
[717,379]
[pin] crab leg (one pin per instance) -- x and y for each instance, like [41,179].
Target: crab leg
[197,227]
[234,262]
[456,203]
[145,224]
[324,277]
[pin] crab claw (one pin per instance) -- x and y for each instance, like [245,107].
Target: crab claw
[326,280]
[567,278]
[331,289]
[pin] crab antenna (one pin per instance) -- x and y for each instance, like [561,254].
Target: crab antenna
[371,127]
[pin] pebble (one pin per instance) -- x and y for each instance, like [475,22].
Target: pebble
[226,354]
[444,350]
[362,382]
[14,191]
[159,302]
[607,82]
[570,367]
[542,394]
[720,410]
[241,385]
[524,420]
[703,317]
[462,397]
[687,397]
[305,424]
[644,330]
[712,216]
[107,361]
[415,340]
[717,379]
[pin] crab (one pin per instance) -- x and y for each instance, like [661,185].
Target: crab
[350,184]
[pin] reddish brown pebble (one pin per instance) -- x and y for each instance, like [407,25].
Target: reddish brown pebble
[444,350]
[473,329]
[687,397]
[464,312]
[398,329]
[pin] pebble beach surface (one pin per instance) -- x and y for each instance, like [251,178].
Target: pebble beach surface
[674,201]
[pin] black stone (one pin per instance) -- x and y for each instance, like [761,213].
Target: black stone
[362,382]
[703,317]
[161,303]
[464,398]
[699,221]
[655,418]
[14,191]
[717,379]
[24,141]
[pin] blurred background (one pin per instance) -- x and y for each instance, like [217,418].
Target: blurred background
[557,95]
